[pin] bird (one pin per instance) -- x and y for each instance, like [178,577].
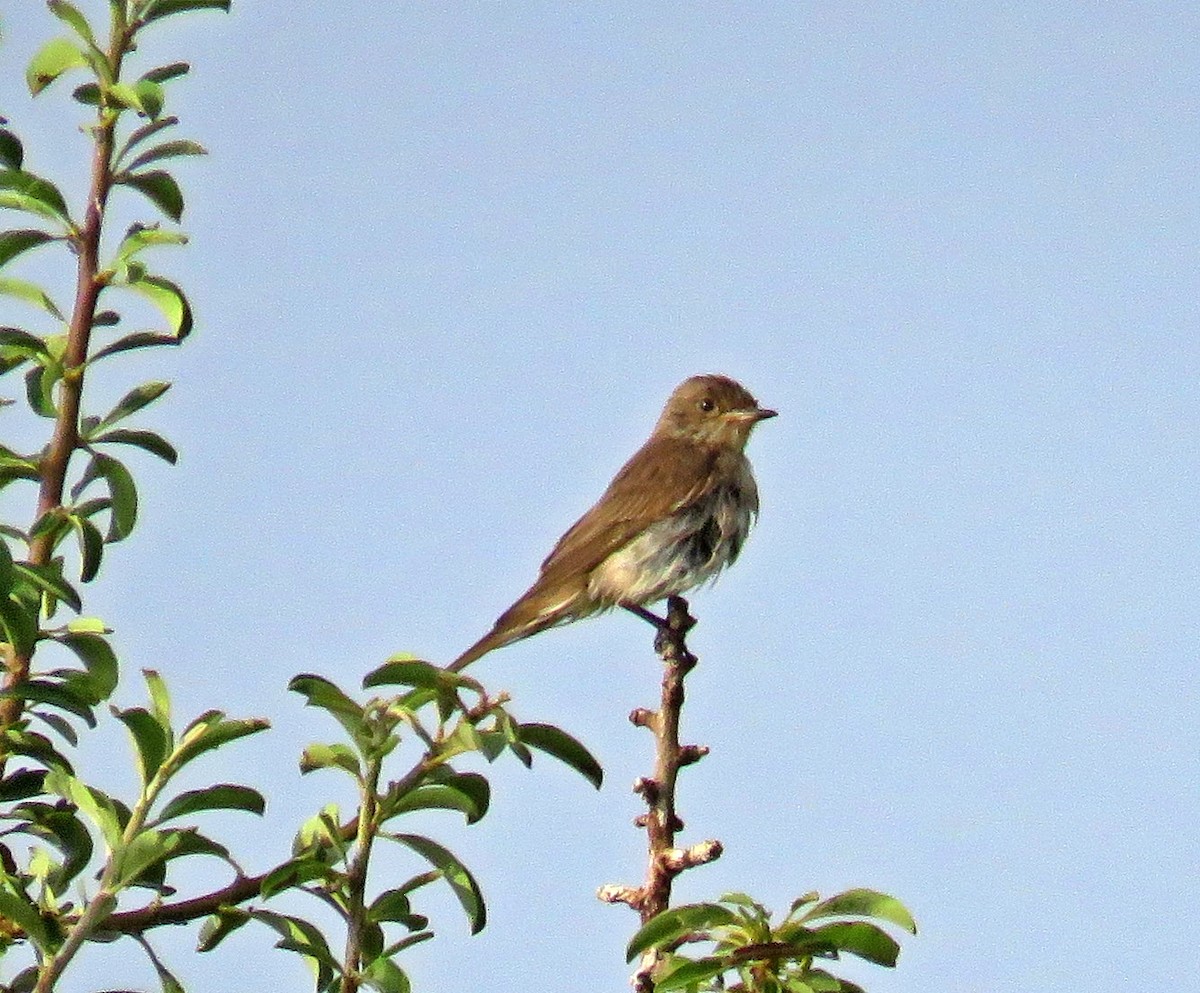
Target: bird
[672,518]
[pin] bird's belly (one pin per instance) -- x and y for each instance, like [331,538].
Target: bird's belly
[677,553]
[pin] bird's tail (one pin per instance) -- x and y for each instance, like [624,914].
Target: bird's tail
[534,612]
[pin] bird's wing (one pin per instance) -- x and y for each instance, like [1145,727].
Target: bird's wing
[664,475]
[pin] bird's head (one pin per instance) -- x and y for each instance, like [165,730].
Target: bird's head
[711,410]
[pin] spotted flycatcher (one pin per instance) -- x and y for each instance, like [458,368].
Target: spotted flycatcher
[676,514]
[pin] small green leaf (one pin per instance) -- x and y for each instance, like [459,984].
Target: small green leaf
[864,903]
[218,927]
[12,153]
[160,699]
[689,972]
[222,796]
[122,490]
[387,977]
[405,670]
[454,872]
[143,133]
[97,656]
[166,8]
[157,186]
[296,872]
[39,388]
[440,796]
[142,236]
[93,804]
[858,938]
[48,579]
[87,94]
[54,695]
[169,299]
[212,730]
[20,623]
[135,400]
[13,243]
[91,547]
[556,742]
[149,738]
[167,150]
[173,70]
[139,339]
[57,56]
[68,13]
[305,939]
[31,293]
[675,923]
[148,441]
[32,194]
[334,756]
[320,692]
[144,851]
[16,906]
[392,905]
[7,575]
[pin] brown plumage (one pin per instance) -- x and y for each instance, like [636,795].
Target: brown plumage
[672,518]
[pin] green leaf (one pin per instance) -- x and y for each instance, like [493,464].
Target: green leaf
[218,927]
[144,851]
[387,977]
[57,56]
[675,923]
[441,796]
[320,692]
[21,785]
[858,938]
[35,746]
[160,699]
[97,656]
[148,441]
[58,724]
[68,13]
[139,339]
[405,670]
[173,70]
[142,236]
[296,872]
[454,872]
[222,796]
[13,243]
[20,623]
[556,742]
[143,133]
[31,293]
[48,579]
[121,488]
[91,547]
[169,299]
[149,738]
[12,153]
[145,97]
[54,695]
[212,730]
[7,575]
[157,186]
[689,972]
[20,342]
[32,194]
[305,939]
[167,150]
[16,906]
[135,400]
[87,94]
[93,804]
[166,8]
[334,756]
[864,903]
[394,905]
[39,388]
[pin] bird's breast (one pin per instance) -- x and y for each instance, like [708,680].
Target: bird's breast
[683,550]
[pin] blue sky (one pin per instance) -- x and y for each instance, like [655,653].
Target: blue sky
[448,261]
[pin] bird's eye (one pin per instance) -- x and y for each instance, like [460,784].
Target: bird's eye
[706,405]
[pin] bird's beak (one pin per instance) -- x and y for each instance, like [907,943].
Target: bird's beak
[753,416]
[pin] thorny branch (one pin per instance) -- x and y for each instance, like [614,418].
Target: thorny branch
[665,861]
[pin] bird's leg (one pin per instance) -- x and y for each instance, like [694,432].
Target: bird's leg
[646,615]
